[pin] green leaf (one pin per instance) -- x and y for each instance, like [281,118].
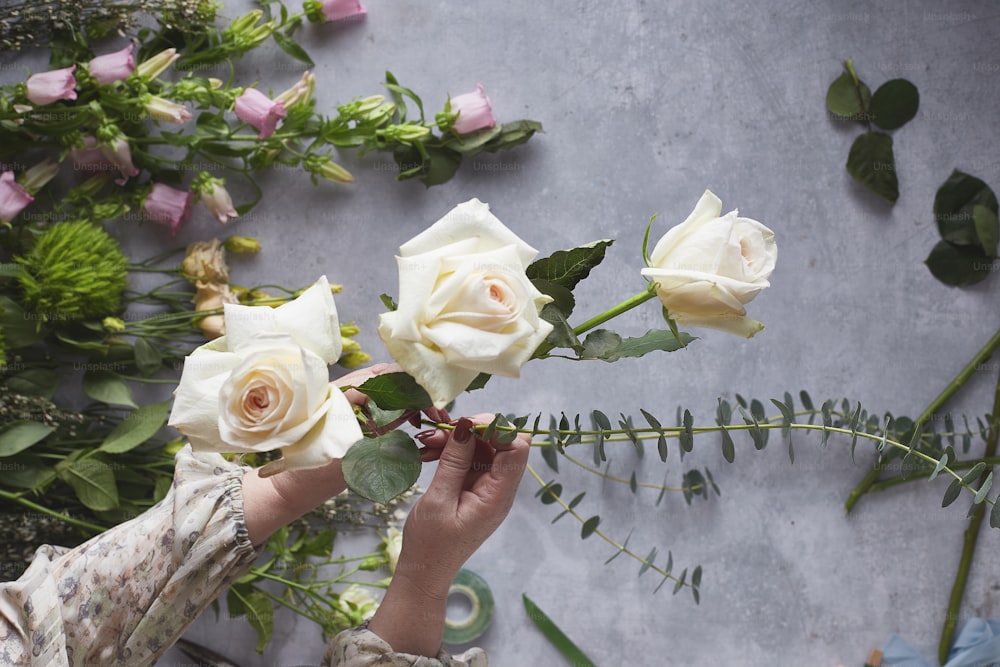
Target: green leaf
[147,358]
[562,298]
[589,526]
[388,302]
[473,144]
[549,493]
[34,382]
[107,387]
[680,582]
[381,468]
[396,391]
[958,265]
[872,164]
[260,613]
[942,462]
[291,47]
[987,229]
[696,584]
[954,208]
[894,104]
[845,99]
[995,514]
[20,435]
[513,133]
[951,493]
[562,334]
[31,475]
[984,489]
[569,267]
[141,425]
[653,340]
[601,344]
[20,329]
[728,447]
[11,270]
[93,481]
[440,166]
[558,638]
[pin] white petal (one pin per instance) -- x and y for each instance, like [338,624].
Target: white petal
[311,319]
[707,209]
[330,438]
[195,412]
[428,367]
[469,220]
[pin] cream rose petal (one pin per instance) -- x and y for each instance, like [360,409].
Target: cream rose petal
[195,410]
[311,319]
[295,380]
[708,208]
[329,438]
[469,220]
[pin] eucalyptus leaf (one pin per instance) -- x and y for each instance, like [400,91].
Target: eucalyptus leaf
[995,514]
[894,104]
[589,526]
[381,468]
[107,387]
[958,265]
[22,434]
[141,425]
[872,164]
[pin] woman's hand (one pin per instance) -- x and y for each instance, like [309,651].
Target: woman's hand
[471,493]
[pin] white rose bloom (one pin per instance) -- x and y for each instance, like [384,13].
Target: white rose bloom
[364,603]
[710,265]
[265,385]
[465,304]
[393,547]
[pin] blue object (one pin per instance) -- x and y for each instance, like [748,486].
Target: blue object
[977,645]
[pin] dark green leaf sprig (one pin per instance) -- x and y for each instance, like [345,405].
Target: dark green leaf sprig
[871,161]
[965,210]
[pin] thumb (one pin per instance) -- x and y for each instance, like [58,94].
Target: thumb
[456,459]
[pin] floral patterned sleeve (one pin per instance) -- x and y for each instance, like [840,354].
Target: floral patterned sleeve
[125,596]
[360,647]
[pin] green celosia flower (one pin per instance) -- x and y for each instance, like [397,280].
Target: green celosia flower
[74,271]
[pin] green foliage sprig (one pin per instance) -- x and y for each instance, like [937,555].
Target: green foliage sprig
[871,161]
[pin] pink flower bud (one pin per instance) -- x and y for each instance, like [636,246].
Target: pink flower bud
[474,111]
[340,10]
[255,108]
[168,206]
[13,197]
[95,158]
[112,67]
[47,87]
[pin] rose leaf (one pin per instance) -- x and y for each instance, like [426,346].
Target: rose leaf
[954,208]
[986,229]
[872,164]
[396,391]
[846,99]
[381,468]
[568,267]
[958,265]
[107,387]
[894,104]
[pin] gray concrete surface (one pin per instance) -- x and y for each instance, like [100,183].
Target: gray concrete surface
[645,105]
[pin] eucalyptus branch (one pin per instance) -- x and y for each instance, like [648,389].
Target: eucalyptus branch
[647,562]
[957,382]
[970,538]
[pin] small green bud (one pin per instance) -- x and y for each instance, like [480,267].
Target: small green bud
[113,324]
[241,244]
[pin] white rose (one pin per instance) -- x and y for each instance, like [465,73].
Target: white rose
[265,385]
[710,265]
[357,603]
[465,304]
[393,547]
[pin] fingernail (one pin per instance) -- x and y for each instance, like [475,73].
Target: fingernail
[463,431]
[425,434]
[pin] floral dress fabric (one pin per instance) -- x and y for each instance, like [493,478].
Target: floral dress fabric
[124,597]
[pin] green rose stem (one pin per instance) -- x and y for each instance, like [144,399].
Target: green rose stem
[970,539]
[614,311]
[93,528]
[985,353]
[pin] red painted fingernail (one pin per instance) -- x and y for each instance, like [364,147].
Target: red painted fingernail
[463,431]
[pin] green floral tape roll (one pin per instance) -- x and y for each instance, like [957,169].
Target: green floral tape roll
[470,585]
